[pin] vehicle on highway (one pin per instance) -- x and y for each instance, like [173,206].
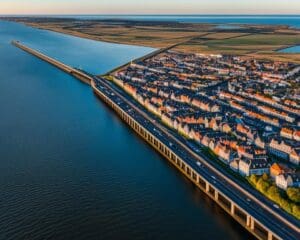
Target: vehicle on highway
[275,206]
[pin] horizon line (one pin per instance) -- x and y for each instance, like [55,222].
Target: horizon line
[149,14]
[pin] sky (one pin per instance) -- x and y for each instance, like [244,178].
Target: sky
[149,6]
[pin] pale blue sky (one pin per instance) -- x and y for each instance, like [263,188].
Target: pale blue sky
[149,6]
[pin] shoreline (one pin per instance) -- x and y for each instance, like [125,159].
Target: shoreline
[254,41]
[79,35]
[88,36]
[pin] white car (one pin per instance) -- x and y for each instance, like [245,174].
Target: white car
[276,206]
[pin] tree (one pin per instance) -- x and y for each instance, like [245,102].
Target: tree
[274,194]
[262,185]
[285,205]
[253,179]
[265,177]
[293,194]
[296,210]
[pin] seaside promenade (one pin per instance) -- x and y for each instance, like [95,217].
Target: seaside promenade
[254,214]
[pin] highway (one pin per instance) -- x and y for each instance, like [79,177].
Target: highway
[279,222]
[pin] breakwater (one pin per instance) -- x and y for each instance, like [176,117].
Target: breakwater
[201,177]
[70,70]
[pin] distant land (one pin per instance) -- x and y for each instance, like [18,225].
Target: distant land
[253,40]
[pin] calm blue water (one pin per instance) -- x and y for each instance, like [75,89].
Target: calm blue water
[92,56]
[294,49]
[228,26]
[70,169]
[290,20]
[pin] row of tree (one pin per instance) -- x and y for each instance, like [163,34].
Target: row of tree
[289,200]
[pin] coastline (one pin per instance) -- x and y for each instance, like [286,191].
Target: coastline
[254,41]
[94,37]
[76,34]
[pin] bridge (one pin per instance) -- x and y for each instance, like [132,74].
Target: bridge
[255,215]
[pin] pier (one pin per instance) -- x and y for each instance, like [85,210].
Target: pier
[261,221]
[70,70]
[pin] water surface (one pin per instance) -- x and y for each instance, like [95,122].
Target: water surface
[92,56]
[294,49]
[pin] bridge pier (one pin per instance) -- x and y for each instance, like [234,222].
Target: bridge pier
[270,235]
[232,208]
[216,195]
[251,223]
[248,221]
[207,187]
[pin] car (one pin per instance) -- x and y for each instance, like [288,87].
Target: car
[276,206]
[213,177]
[199,163]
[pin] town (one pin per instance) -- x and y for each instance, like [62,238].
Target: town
[244,112]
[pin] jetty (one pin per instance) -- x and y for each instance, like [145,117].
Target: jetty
[70,70]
